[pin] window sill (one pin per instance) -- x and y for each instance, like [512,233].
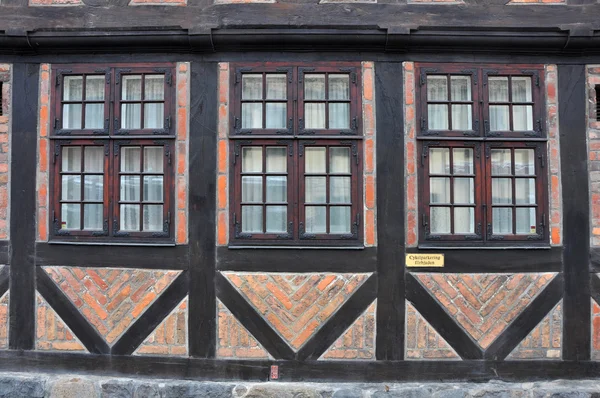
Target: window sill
[441,247]
[147,244]
[234,247]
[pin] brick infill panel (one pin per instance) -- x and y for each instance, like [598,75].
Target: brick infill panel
[422,341]
[369,149]
[234,341]
[593,135]
[170,337]
[595,331]
[555,183]
[544,341]
[51,333]
[181,150]
[4,321]
[5,137]
[222,157]
[43,154]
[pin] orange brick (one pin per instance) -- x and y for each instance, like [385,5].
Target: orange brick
[411,222]
[181,193]
[555,235]
[181,123]
[181,158]
[370,227]
[43,121]
[369,155]
[222,195]
[368,84]
[142,305]
[222,228]
[222,156]
[370,192]
[369,120]
[181,227]
[43,155]
[42,227]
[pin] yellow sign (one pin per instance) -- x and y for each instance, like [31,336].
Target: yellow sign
[424,260]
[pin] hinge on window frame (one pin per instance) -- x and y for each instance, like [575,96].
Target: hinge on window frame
[56,152]
[55,122]
[237,229]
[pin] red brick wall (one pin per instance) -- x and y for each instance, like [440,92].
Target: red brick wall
[233,340]
[422,342]
[593,132]
[170,337]
[51,333]
[5,126]
[358,341]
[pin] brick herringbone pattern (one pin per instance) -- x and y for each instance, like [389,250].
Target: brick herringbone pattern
[170,337]
[422,341]
[358,341]
[111,299]
[544,341]
[296,305]
[233,340]
[485,304]
[51,333]
[4,320]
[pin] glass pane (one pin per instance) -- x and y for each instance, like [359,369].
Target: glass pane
[339,116]
[73,90]
[461,117]
[498,87]
[154,116]
[130,188]
[154,87]
[94,116]
[252,219]
[526,220]
[153,188]
[499,120]
[339,220]
[521,89]
[315,160]
[525,191]
[71,116]
[276,189]
[464,191]
[339,87]
[92,216]
[70,215]
[276,159]
[339,160]
[153,159]
[71,187]
[252,86]
[438,117]
[276,115]
[71,158]
[522,117]
[94,88]
[501,162]
[276,86]
[153,218]
[462,159]
[440,220]
[252,189]
[314,87]
[464,220]
[252,159]
[131,116]
[93,188]
[439,190]
[132,88]
[460,88]
[93,159]
[315,115]
[437,88]
[439,161]
[501,191]
[252,116]
[276,219]
[316,191]
[130,159]
[524,162]
[502,220]
[130,218]
[316,219]
[339,190]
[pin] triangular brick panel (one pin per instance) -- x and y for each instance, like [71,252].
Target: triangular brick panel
[111,299]
[51,333]
[485,304]
[296,305]
[233,339]
[422,341]
[595,331]
[170,337]
[4,300]
[358,341]
[544,341]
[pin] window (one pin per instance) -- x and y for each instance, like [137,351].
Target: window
[112,180]
[296,145]
[482,183]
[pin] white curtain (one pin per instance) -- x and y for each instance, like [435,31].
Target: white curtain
[314,90]
[252,190]
[131,114]
[130,188]
[154,90]
[73,91]
[94,91]
[522,114]
[93,189]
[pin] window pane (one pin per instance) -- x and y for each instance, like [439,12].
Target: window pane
[315,190]
[525,191]
[276,219]
[153,218]
[252,86]
[439,161]
[130,188]
[339,160]
[315,115]
[70,214]
[502,220]
[498,87]
[154,116]
[461,117]
[94,116]
[276,159]
[252,189]
[522,117]
[462,159]
[252,159]
[339,116]
[526,220]
[501,191]
[153,188]
[501,162]
[524,162]
[132,88]
[94,88]
[276,86]
[94,159]
[252,219]
[499,119]
[131,116]
[276,115]
[464,191]
[130,218]
[339,190]
[276,189]
[73,90]
[316,219]
[438,117]
[464,220]
[154,87]
[460,88]
[71,116]
[521,89]
[71,187]
[153,159]
[315,160]
[92,216]
[252,116]
[440,220]
[339,220]
[439,190]
[130,159]
[93,188]
[71,158]
[339,87]
[437,88]
[314,87]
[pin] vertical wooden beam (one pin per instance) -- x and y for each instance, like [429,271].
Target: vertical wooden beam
[23,206]
[390,211]
[202,209]
[576,214]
